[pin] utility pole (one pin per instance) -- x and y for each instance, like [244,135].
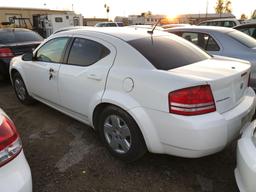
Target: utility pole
[207,5]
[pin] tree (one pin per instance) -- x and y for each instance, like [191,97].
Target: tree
[228,7]
[145,14]
[220,8]
[254,15]
[243,17]
[223,6]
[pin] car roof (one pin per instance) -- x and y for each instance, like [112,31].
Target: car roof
[245,25]
[105,22]
[14,30]
[203,29]
[124,33]
[222,19]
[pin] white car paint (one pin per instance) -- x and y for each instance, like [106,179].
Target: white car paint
[82,89]
[245,171]
[15,175]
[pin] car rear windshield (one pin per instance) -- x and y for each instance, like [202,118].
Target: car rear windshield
[168,52]
[243,38]
[9,36]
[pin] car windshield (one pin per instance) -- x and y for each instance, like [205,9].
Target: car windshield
[7,37]
[168,52]
[243,38]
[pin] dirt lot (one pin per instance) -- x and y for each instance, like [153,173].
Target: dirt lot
[65,155]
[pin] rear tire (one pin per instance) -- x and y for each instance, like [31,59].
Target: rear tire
[121,134]
[21,90]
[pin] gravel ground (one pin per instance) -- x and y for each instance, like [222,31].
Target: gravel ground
[65,155]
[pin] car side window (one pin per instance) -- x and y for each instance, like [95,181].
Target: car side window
[253,32]
[202,40]
[212,45]
[86,52]
[196,38]
[245,30]
[53,50]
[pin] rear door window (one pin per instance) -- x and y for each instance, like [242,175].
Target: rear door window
[86,52]
[168,52]
[229,24]
[249,31]
[202,40]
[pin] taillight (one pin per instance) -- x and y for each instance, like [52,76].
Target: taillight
[192,101]
[6,53]
[10,143]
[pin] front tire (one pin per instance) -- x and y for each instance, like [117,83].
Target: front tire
[121,134]
[21,90]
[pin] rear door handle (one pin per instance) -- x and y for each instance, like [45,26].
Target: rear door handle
[94,77]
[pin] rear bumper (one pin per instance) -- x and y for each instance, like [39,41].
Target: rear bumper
[4,66]
[193,136]
[245,172]
[16,176]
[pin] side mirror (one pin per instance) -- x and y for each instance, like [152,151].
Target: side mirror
[27,56]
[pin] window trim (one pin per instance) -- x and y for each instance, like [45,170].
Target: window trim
[69,47]
[63,54]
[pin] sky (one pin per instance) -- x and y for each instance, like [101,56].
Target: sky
[95,8]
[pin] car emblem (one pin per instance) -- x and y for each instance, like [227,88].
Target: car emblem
[242,86]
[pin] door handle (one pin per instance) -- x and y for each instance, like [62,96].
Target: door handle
[51,71]
[94,77]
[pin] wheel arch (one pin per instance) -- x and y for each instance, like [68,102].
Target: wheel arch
[148,132]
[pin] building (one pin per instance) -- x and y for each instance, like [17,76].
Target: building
[149,19]
[124,20]
[7,13]
[93,21]
[146,19]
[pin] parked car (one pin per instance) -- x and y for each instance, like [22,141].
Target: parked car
[168,26]
[245,171]
[109,24]
[222,41]
[144,27]
[14,170]
[249,29]
[141,91]
[14,42]
[226,22]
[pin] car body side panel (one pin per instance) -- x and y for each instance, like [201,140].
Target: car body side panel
[85,83]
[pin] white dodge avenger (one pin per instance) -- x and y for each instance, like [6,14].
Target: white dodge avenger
[141,90]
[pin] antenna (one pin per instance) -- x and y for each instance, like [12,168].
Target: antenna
[152,31]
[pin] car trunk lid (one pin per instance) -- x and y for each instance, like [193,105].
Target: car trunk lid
[228,80]
[21,48]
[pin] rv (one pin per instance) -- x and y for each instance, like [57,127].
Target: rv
[46,25]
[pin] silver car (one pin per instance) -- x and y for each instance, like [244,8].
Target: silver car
[222,41]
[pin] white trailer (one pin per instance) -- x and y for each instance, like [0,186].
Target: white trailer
[51,23]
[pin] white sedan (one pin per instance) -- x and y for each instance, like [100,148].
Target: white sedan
[14,170]
[141,90]
[246,160]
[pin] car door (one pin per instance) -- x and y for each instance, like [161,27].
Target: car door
[82,79]
[42,72]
